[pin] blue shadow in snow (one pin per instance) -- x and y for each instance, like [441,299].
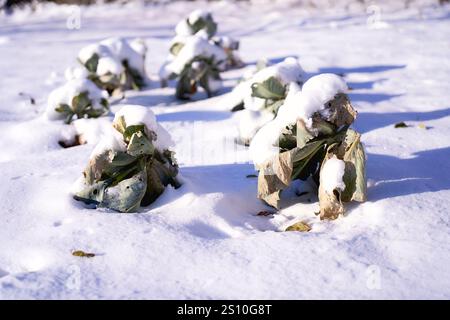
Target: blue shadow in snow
[371,97]
[273,60]
[426,171]
[363,69]
[367,121]
[194,116]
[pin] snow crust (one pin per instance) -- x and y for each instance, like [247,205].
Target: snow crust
[205,239]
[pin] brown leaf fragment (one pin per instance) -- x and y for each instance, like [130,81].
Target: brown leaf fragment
[93,171]
[274,177]
[82,254]
[341,111]
[401,125]
[300,226]
[265,213]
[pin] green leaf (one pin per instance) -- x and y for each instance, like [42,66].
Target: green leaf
[302,134]
[324,128]
[63,108]
[130,130]
[80,102]
[104,103]
[91,63]
[308,150]
[206,24]
[121,158]
[271,88]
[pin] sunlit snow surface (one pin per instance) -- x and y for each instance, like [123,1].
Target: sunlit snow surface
[205,239]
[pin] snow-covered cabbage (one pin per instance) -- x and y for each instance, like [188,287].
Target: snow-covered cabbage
[263,93]
[198,63]
[198,20]
[77,99]
[115,63]
[309,137]
[197,56]
[131,165]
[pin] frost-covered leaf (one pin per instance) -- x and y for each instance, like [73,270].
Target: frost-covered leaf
[271,88]
[126,196]
[122,159]
[139,145]
[130,130]
[299,226]
[92,193]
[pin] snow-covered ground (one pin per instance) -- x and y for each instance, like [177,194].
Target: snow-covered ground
[205,240]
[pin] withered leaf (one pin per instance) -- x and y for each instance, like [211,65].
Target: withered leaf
[81,253]
[401,125]
[300,226]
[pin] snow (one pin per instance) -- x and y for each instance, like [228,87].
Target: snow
[110,140]
[251,121]
[205,240]
[109,65]
[317,91]
[332,174]
[91,130]
[183,29]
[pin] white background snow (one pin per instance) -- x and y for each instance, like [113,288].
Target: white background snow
[204,240]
